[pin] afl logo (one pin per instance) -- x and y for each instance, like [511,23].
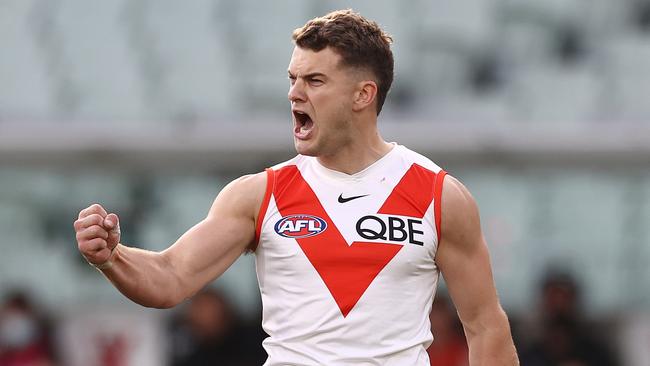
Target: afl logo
[300,226]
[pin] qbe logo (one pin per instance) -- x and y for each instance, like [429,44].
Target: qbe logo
[300,226]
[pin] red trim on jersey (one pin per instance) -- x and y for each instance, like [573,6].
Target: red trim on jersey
[270,182]
[348,269]
[437,201]
[412,195]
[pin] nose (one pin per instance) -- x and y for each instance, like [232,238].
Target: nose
[297,92]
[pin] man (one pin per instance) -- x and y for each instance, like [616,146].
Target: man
[349,236]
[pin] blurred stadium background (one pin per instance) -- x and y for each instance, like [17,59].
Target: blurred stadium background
[542,108]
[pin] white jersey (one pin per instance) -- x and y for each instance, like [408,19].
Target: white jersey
[345,263]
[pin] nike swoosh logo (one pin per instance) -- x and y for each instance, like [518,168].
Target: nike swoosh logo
[348,199]
[348,269]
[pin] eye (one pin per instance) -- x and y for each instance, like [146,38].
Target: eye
[292,80]
[315,82]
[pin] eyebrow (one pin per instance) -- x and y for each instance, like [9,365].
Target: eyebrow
[308,76]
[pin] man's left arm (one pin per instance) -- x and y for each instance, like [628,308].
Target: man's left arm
[464,261]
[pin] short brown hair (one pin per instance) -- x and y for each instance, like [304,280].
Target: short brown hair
[360,43]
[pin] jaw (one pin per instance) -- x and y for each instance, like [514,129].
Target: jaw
[305,147]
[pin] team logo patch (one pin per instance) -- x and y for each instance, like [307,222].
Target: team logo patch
[300,226]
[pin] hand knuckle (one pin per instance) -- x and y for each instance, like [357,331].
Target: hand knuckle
[86,234]
[95,219]
[90,210]
[95,231]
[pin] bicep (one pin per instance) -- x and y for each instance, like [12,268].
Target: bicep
[208,249]
[463,256]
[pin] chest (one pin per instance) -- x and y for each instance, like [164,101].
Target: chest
[349,228]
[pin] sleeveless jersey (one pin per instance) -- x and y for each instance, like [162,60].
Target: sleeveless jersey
[345,263]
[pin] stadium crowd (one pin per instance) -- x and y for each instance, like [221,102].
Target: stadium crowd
[207,330]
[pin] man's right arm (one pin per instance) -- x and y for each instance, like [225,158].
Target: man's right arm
[200,255]
[464,260]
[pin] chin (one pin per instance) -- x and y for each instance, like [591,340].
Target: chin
[305,148]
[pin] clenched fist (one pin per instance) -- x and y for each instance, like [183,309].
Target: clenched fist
[98,233]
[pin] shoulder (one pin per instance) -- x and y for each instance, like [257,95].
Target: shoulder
[252,182]
[243,195]
[456,195]
[296,160]
[411,157]
[460,217]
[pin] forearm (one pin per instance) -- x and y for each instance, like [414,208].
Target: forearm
[145,277]
[490,343]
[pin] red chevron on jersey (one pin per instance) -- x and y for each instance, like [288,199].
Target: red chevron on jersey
[348,270]
[412,195]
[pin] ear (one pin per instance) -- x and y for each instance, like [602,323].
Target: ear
[365,95]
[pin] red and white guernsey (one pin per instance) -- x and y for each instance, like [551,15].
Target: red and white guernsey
[345,263]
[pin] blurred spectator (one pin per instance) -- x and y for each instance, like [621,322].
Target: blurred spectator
[564,337]
[24,339]
[114,350]
[209,332]
[449,347]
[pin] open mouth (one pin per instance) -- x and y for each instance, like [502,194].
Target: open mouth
[303,124]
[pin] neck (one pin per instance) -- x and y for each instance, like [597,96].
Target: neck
[358,155]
